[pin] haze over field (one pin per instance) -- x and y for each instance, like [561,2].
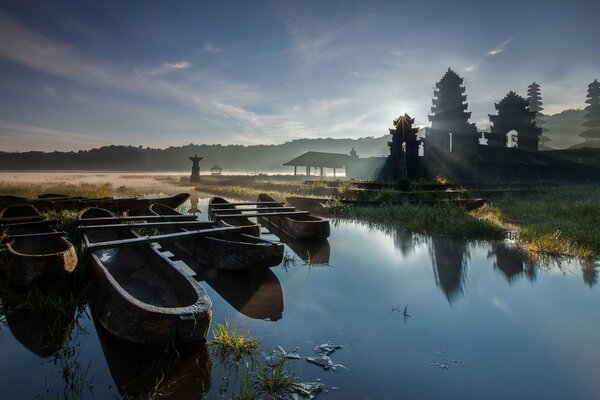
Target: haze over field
[78,75]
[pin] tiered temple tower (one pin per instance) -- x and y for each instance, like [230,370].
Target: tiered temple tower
[450,128]
[592,116]
[514,114]
[534,96]
[404,148]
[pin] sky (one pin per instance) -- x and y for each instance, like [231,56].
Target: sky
[81,74]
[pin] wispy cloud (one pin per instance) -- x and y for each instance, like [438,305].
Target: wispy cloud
[499,49]
[164,68]
[489,54]
[18,137]
[200,89]
[211,47]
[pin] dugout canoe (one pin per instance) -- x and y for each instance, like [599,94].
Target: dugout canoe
[301,226]
[139,295]
[132,204]
[230,251]
[249,227]
[33,250]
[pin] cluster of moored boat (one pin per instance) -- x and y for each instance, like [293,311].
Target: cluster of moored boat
[138,290]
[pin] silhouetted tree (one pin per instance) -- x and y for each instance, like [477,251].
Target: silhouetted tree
[592,117]
[535,104]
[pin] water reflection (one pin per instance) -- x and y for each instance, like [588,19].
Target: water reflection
[310,251]
[449,260]
[156,372]
[589,270]
[512,262]
[256,294]
[43,332]
[194,203]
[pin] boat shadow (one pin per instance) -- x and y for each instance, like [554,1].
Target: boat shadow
[141,371]
[255,293]
[310,251]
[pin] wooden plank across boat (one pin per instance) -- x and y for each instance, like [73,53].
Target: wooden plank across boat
[47,202]
[220,203]
[34,251]
[230,251]
[299,226]
[139,295]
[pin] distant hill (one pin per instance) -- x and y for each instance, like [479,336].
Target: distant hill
[592,144]
[232,158]
[564,128]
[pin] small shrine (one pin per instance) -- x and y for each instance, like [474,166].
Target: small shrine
[514,114]
[215,170]
[404,148]
[195,177]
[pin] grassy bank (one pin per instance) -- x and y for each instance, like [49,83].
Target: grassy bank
[559,220]
[556,221]
[83,189]
[452,221]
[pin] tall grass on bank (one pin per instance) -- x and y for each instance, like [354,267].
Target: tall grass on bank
[556,221]
[452,221]
[83,189]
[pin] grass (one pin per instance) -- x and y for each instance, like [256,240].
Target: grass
[274,380]
[230,341]
[452,221]
[239,192]
[556,221]
[66,218]
[82,189]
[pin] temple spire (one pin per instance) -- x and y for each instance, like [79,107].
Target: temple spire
[592,116]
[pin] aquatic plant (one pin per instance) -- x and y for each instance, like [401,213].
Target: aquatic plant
[274,380]
[289,261]
[230,341]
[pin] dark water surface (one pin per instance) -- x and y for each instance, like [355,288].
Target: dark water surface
[484,324]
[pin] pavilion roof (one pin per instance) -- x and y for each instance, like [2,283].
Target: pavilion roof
[321,159]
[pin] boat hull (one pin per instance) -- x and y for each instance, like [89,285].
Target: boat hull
[236,251]
[126,204]
[303,227]
[139,295]
[133,320]
[24,267]
[247,226]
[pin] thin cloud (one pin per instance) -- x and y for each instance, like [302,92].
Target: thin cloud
[492,53]
[499,49]
[21,137]
[164,68]
[211,47]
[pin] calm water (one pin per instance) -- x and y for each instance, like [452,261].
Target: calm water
[483,324]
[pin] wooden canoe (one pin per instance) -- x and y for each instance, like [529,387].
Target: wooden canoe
[77,203]
[139,295]
[33,251]
[233,251]
[250,227]
[301,226]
